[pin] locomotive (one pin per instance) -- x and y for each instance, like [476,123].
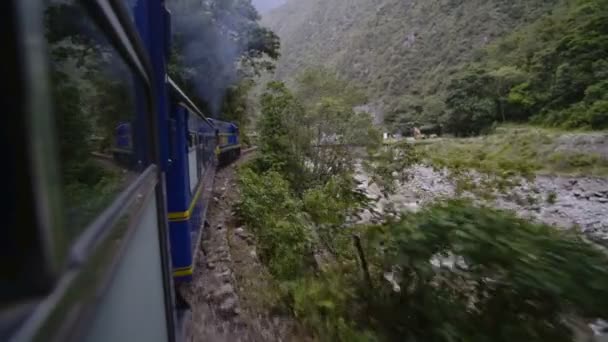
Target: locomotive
[109,274]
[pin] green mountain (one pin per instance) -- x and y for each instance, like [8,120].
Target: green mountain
[394,48]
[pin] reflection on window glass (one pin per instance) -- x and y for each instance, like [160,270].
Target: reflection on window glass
[130,5]
[94,109]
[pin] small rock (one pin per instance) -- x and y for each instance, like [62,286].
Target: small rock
[223,189]
[210,265]
[228,307]
[602,200]
[253,254]
[225,291]
[573,182]
[215,199]
[219,227]
[577,194]
[224,276]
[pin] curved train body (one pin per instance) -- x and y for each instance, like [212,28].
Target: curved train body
[197,146]
[99,235]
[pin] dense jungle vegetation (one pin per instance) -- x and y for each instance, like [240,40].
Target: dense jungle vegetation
[458,65]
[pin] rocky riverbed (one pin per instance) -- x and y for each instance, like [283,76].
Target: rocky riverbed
[566,202]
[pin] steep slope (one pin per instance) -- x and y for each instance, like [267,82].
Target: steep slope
[393,47]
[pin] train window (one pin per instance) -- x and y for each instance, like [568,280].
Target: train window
[192,140]
[95,111]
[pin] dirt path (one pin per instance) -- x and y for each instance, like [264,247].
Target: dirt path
[231,295]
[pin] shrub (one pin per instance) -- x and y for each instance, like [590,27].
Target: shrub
[471,273]
[283,235]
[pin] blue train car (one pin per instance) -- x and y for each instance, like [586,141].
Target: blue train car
[122,151]
[229,147]
[189,180]
[94,246]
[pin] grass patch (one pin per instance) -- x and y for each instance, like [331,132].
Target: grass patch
[514,151]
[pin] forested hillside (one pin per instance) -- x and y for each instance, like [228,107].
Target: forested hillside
[393,47]
[553,72]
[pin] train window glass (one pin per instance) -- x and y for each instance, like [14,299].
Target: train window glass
[95,111]
[191,140]
[130,5]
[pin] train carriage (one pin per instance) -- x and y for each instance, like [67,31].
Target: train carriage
[229,147]
[92,247]
[189,179]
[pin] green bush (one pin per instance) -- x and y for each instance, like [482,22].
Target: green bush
[283,235]
[509,279]
[597,115]
[330,306]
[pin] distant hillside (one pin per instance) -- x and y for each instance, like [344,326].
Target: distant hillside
[394,48]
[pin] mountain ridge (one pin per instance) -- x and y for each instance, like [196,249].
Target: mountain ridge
[393,48]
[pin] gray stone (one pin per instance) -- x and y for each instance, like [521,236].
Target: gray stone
[225,291]
[240,232]
[224,276]
[228,307]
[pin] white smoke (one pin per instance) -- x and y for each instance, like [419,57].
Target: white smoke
[211,37]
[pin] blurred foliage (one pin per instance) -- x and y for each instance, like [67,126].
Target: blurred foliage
[470,273]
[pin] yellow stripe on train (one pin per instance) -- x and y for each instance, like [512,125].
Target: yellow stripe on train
[179,216]
[183,271]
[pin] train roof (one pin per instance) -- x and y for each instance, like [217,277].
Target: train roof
[223,124]
[185,101]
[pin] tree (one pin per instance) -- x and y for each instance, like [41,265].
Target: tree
[471,107]
[282,143]
[504,78]
[312,85]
